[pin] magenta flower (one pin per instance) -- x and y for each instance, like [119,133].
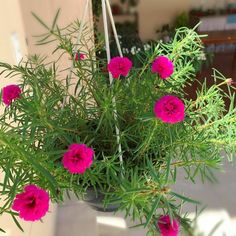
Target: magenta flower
[10,93]
[78,158]
[119,66]
[32,204]
[163,66]
[169,109]
[230,82]
[79,56]
[82,56]
[168,228]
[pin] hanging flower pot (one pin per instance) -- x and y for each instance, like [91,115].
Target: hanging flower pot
[96,199]
[119,139]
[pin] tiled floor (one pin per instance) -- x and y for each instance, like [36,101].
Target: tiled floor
[213,195]
[75,219]
[78,219]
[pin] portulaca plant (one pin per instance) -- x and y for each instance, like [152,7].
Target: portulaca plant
[53,141]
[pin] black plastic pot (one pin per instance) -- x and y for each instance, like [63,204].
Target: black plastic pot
[95,200]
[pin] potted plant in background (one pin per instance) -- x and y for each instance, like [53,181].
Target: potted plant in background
[53,141]
[131,5]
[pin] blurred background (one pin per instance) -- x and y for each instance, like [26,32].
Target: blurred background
[140,24]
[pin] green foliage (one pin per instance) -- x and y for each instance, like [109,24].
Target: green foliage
[36,130]
[182,20]
[97,8]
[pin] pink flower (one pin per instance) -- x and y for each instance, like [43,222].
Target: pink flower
[163,66]
[79,56]
[32,204]
[169,109]
[119,66]
[230,82]
[168,228]
[78,158]
[82,56]
[10,93]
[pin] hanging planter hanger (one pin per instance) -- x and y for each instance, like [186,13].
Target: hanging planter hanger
[106,8]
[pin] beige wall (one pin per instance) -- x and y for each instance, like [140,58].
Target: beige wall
[46,10]
[70,10]
[153,14]
[10,23]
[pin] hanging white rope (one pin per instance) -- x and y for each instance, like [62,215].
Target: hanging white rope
[105,7]
[105,25]
[81,27]
[114,27]
[107,42]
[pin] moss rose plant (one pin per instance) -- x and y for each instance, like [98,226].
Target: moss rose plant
[53,141]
